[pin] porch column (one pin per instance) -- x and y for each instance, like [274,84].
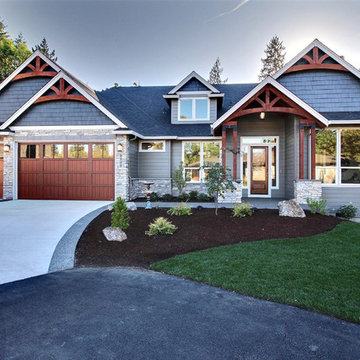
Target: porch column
[301,151]
[235,140]
[224,145]
[313,151]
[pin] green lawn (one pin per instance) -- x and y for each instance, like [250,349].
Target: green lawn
[320,273]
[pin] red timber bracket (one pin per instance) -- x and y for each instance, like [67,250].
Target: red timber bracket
[61,91]
[307,124]
[36,68]
[230,125]
[315,61]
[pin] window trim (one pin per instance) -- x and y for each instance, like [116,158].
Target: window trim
[201,170]
[338,166]
[194,98]
[152,151]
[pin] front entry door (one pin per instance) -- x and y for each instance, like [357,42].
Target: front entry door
[259,170]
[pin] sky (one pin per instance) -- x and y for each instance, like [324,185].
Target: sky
[160,42]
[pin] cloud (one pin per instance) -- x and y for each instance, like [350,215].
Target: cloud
[236,8]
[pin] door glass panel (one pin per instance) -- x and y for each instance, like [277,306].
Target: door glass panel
[78,151]
[102,151]
[273,166]
[245,164]
[259,164]
[31,151]
[53,151]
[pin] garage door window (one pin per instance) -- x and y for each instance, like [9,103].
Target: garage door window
[103,151]
[78,151]
[31,151]
[1,151]
[53,151]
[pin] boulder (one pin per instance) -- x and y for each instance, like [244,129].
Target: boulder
[131,206]
[290,208]
[114,234]
[110,207]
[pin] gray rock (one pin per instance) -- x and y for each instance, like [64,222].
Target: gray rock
[290,208]
[114,234]
[131,206]
[110,207]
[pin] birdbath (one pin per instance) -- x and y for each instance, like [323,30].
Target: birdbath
[148,192]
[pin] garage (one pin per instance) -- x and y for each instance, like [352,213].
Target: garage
[66,171]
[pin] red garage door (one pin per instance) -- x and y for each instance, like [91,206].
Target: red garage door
[1,170]
[61,171]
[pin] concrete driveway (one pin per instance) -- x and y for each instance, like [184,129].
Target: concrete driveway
[30,231]
[118,313]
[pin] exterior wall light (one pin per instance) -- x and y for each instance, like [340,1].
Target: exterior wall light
[7,148]
[262,115]
[120,148]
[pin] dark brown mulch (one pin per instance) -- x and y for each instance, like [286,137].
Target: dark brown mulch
[199,231]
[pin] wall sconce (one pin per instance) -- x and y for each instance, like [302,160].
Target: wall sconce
[120,148]
[7,148]
[262,115]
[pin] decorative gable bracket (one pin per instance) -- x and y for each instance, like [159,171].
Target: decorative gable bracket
[36,68]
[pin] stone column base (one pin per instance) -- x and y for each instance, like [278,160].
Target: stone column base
[232,197]
[306,188]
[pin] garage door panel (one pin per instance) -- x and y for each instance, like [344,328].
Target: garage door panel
[75,178]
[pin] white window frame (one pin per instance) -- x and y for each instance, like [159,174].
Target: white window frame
[270,146]
[338,166]
[194,98]
[201,170]
[152,151]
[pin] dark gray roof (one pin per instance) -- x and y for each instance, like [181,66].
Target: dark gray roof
[342,115]
[144,110]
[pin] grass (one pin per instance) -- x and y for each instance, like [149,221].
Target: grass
[319,273]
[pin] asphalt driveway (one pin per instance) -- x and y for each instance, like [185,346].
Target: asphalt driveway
[118,313]
[30,231]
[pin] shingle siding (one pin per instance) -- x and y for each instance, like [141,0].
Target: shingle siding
[16,94]
[194,85]
[58,113]
[326,91]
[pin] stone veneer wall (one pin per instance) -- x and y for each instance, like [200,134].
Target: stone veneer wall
[138,188]
[306,188]
[8,187]
[232,197]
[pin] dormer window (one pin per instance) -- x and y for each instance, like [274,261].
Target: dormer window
[194,109]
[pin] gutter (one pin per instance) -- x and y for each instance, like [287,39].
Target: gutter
[134,133]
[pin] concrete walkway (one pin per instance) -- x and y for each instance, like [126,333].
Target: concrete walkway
[30,231]
[134,314]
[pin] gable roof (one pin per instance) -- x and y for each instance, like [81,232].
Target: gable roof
[77,86]
[192,75]
[278,86]
[325,49]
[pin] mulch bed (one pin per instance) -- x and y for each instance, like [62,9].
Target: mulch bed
[199,231]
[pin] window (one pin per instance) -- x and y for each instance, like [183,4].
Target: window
[198,156]
[244,150]
[152,146]
[325,156]
[102,151]
[78,151]
[1,151]
[53,151]
[31,151]
[194,109]
[350,156]
[273,166]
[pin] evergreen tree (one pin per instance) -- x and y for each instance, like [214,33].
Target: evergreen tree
[215,73]
[44,48]
[274,59]
[3,33]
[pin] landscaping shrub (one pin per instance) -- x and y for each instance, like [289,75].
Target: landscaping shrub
[180,210]
[179,179]
[347,211]
[242,210]
[193,195]
[167,197]
[204,197]
[317,206]
[161,226]
[120,217]
[184,197]
[154,196]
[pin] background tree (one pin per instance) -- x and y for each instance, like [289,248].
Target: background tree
[215,73]
[274,60]
[44,48]
[3,32]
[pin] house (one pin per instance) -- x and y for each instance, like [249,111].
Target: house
[293,135]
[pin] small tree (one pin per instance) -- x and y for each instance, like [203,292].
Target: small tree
[120,217]
[179,179]
[218,181]
[274,59]
[215,73]
[44,48]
